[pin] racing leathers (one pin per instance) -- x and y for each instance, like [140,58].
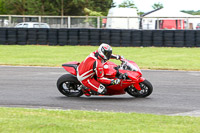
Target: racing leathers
[91,74]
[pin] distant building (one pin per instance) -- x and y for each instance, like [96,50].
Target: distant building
[165,18]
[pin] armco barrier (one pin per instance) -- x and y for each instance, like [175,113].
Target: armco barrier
[114,37]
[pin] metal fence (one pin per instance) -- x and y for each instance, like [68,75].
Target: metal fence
[104,22]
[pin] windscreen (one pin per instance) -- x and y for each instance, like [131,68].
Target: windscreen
[129,66]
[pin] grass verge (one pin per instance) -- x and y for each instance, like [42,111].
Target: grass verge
[145,57]
[70,121]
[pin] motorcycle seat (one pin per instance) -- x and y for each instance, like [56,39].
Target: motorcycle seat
[71,65]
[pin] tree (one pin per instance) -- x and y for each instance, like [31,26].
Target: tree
[157,5]
[192,12]
[140,13]
[17,7]
[55,7]
[127,4]
[2,7]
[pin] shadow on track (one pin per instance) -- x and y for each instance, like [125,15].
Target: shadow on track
[103,98]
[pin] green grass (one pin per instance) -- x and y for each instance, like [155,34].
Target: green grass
[145,57]
[17,120]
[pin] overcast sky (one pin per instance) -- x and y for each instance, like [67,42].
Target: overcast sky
[146,5]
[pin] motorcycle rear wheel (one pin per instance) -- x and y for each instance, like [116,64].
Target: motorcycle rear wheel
[146,89]
[69,86]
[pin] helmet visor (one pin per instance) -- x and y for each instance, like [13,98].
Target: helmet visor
[108,53]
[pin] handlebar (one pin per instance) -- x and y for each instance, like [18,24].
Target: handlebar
[123,76]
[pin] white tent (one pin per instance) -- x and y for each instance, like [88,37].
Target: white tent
[128,18]
[166,14]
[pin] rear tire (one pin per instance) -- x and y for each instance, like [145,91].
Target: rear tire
[146,89]
[69,86]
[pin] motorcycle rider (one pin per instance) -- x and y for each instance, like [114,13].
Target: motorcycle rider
[90,71]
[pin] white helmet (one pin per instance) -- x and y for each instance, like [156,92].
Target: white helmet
[105,51]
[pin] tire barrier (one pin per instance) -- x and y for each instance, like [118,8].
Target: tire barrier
[73,35]
[136,38]
[157,36]
[147,38]
[105,36]
[12,36]
[126,39]
[22,36]
[179,38]
[32,36]
[94,37]
[62,37]
[42,36]
[190,38]
[52,37]
[115,37]
[168,38]
[83,36]
[197,38]
[3,36]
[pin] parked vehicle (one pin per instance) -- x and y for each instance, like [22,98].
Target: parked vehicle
[198,26]
[131,80]
[32,25]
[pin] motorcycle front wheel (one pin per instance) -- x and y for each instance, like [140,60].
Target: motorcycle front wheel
[146,89]
[68,86]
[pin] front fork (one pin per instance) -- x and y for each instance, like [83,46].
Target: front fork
[137,85]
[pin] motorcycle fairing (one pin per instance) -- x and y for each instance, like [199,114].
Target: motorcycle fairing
[71,67]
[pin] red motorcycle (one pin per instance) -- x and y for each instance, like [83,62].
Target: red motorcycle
[128,72]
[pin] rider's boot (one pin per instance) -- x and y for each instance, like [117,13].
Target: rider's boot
[86,91]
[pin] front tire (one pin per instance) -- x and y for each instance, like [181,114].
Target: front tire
[146,89]
[69,86]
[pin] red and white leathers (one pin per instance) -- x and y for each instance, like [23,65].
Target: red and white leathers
[90,67]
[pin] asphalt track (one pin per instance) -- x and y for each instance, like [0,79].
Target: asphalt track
[175,92]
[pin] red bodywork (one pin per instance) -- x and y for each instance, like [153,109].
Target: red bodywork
[70,67]
[135,77]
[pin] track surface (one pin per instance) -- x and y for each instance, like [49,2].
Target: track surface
[175,92]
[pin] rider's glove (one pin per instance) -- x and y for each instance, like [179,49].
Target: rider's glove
[119,57]
[115,82]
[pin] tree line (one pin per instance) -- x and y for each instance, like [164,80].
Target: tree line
[68,7]
[56,7]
